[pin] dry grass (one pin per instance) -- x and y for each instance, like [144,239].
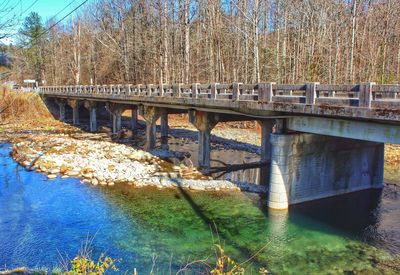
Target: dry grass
[15,106]
[392,154]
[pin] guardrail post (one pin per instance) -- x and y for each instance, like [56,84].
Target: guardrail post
[176,90]
[214,90]
[365,95]
[265,92]
[161,90]
[149,89]
[236,91]
[311,92]
[195,90]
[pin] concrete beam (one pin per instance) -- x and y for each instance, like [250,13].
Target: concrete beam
[368,131]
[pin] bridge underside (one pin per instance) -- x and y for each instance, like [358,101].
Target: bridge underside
[311,157]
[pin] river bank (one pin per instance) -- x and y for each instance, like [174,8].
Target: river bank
[99,161]
[61,150]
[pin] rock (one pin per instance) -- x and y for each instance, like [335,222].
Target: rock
[111,183]
[63,169]
[173,175]
[95,182]
[88,176]
[51,176]
[196,188]
[73,173]
[54,171]
[64,176]
[104,129]
[103,183]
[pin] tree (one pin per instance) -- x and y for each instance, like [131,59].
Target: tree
[169,41]
[32,38]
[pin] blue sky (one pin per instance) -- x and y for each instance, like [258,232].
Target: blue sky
[46,8]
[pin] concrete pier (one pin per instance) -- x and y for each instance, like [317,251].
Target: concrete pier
[116,111]
[74,104]
[92,107]
[134,117]
[61,104]
[164,130]
[204,123]
[150,115]
[306,167]
[266,131]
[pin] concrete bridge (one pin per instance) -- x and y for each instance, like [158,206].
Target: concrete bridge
[322,140]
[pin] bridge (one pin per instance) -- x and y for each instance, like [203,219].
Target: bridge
[321,139]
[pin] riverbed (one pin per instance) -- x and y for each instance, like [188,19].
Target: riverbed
[42,221]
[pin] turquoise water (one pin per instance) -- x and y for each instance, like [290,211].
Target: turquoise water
[42,221]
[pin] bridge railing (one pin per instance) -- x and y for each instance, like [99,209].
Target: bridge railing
[367,95]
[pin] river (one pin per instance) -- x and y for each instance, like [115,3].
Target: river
[42,221]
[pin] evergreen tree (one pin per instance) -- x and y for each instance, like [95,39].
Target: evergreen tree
[32,42]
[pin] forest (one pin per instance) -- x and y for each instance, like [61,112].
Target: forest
[222,41]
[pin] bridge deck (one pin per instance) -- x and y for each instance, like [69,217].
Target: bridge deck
[365,101]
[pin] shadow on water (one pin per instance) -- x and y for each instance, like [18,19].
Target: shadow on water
[213,226]
[340,212]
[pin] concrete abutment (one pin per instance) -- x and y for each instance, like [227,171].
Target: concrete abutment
[307,167]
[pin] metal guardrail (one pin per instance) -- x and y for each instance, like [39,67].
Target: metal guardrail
[366,95]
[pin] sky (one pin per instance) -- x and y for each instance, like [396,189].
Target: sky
[46,9]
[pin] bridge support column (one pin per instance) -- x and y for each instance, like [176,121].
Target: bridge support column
[92,107]
[116,111]
[75,104]
[134,118]
[150,115]
[266,131]
[306,167]
[61,104]
[204,122]
[164,130]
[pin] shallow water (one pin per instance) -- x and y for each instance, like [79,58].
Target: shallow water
[42,219]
